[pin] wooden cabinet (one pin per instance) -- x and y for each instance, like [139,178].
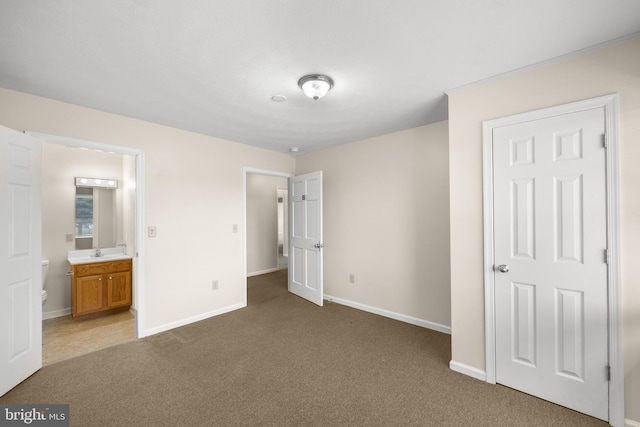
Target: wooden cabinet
[100,288]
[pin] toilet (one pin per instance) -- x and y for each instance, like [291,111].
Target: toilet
[45,271]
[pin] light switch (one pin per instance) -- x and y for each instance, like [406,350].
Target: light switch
[234,228]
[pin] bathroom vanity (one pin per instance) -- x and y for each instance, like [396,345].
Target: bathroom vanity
[100,285]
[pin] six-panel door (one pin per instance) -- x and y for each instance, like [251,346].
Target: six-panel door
[550,231]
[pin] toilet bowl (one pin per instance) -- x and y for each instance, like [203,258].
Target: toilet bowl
[45,271]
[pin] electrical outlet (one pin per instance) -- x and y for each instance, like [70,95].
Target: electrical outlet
[69,238]
[151,231]
[352,278]
[214,285]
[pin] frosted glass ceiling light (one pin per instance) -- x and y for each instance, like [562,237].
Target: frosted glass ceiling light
[315,85]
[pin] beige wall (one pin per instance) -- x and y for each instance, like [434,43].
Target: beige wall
[615,69]
[262,222]
[193,195]
[60,165]
[386,221]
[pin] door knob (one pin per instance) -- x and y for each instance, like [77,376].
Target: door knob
[502,268]
[318,245]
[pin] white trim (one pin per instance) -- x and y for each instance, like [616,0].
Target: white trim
[56,313]
[258,273]
[245,171]
[541,64]
[631,423]
[616,340]
[390,314]
[616,357]
[489,295]
[468,370]
[83,143]
[193,319]
[257,171]
[138,258]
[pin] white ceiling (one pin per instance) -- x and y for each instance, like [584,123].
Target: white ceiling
[212,66]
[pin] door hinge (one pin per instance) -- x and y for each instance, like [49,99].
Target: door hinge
[606,256]
[608,372]
[604,140]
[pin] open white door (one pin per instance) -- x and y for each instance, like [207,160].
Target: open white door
[305,237]
[20,258]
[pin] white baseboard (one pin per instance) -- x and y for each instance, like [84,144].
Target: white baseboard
[468,370]
[56,313]
[183,322]
[258,273]
[631,423]
[390,314]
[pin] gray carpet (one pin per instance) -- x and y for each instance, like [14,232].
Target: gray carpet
[283,361]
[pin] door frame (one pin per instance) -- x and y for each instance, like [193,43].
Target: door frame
[609,103]
[139,256]
[246,171]
[285,219]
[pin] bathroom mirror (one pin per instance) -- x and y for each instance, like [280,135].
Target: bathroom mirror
[95,217]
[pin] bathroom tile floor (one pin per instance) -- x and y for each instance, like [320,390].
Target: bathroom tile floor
[62,338]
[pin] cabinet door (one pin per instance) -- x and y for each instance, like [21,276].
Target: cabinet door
[119,293]
[89,294]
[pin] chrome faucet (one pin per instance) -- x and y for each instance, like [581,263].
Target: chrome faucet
[98,252]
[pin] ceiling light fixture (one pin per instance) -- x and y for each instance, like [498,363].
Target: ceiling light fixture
[315,85]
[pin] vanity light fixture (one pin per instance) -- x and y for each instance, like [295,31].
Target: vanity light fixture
[315,85]
[96,182]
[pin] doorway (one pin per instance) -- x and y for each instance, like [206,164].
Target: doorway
[548,167]
[265,222]
[133,171]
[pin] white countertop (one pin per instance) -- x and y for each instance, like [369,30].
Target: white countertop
[87,256]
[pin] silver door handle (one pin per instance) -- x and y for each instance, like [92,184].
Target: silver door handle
[318,245]
[502,268]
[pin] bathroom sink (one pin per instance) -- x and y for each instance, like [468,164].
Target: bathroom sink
[88,259]
[89,256]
